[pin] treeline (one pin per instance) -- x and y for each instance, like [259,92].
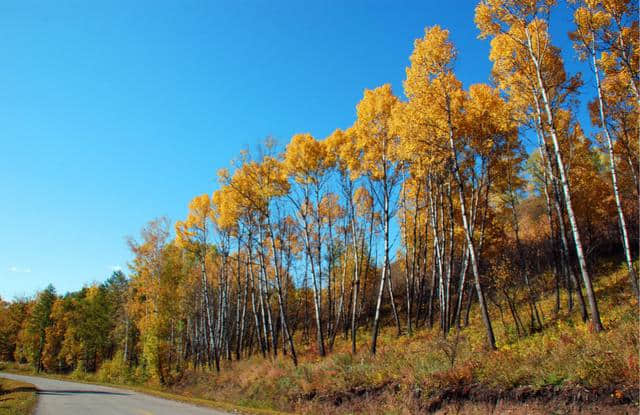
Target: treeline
[421,208]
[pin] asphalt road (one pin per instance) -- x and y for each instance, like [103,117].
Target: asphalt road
[56,397]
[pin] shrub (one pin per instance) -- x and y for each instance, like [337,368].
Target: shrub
[114,370]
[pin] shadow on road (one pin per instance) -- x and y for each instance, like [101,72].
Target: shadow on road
[78,392]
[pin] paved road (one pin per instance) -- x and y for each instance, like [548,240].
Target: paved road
[56,397]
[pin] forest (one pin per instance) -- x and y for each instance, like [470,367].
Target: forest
[440,208]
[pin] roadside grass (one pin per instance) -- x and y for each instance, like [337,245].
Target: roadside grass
[149,389]
[409,371]
[16,398]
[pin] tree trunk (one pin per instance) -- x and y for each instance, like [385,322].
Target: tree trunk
[568,269]
[614,182]
[586,279]
[316,291]
[385,269]
[491,341]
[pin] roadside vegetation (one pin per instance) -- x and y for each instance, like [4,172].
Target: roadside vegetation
[566,366]
[16,398]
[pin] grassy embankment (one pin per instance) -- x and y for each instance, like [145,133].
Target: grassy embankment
[16,398]
[149,388]
[566,367]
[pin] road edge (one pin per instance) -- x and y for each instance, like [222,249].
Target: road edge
[207,403]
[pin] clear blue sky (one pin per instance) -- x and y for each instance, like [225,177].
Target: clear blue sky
[113,113]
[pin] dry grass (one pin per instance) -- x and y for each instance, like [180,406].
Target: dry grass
[414,374]
[409,373]
[16,398]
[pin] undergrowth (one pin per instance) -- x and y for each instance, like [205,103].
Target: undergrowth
[407,372]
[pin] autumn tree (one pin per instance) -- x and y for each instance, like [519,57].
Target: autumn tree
[12,316]
[521,48]
[437,95]
[597,32]
[39,322]
[193,235]
[344,153]
[258,185]
[156,272]
[379,162]
[306,163]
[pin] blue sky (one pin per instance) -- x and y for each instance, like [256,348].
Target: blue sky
[113,113]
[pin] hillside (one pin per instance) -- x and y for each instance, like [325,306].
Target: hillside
[566,368]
